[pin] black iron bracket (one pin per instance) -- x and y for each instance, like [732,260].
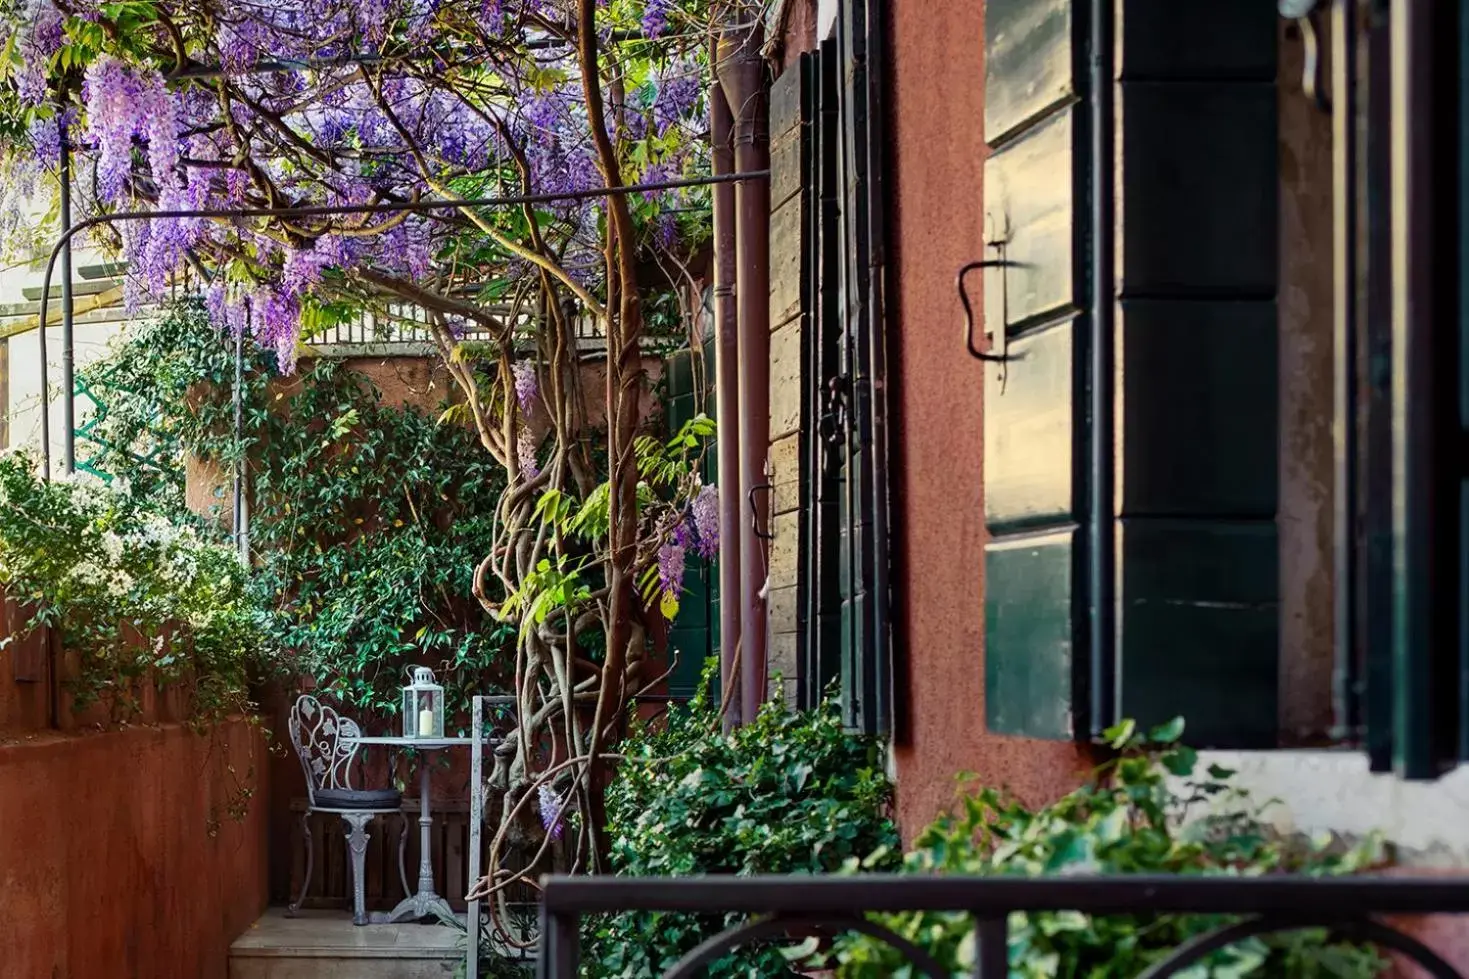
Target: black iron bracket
[998,353]
[755,513]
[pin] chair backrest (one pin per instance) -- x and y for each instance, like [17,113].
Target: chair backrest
[325,742]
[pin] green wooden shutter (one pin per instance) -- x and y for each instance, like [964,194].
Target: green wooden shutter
[1427,698]
[843,590]
[818,591]
[1130,440]
[695,633]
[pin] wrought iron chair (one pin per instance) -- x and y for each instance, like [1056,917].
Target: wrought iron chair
[327,743]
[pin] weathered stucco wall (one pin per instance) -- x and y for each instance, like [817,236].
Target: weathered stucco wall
[936,105]
[117,856]
[1306,467]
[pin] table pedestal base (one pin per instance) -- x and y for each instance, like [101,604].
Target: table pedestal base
[417,906]
[426,902]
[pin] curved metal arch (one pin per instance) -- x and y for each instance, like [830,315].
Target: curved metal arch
[1365,929]
[777,927]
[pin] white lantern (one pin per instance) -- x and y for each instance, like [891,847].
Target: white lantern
[423,706]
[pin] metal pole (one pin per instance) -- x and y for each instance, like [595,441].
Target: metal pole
[68,377]
[241,541]
[325,210]
[1345,282]
[476,815]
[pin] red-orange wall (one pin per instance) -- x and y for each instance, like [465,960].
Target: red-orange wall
[935,114]
[108,866]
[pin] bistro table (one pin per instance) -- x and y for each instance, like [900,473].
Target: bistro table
[426,901]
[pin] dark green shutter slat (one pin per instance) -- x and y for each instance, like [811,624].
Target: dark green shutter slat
[824,638]
[1430,662]
[1034,418]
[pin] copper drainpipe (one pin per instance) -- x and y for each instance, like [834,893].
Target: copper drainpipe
[740,71]
[726,404]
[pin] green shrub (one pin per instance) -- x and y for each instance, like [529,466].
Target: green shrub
[135,595]
[790,793]
[1129,819]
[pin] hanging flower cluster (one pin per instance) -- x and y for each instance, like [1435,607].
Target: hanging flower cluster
[655,17]
[698,531]
[671,559]
[525,451]
[550,807]
[524,372]
[704,519]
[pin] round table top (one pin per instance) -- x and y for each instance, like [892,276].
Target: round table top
[420,742]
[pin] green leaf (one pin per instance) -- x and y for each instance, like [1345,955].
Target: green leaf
[1119,734]
[1181,760]
[1167,733]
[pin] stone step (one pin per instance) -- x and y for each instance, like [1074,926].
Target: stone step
[326,945]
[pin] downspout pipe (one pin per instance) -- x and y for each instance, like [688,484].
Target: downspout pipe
[741,73]
[726,405]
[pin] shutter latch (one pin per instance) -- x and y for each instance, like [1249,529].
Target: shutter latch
[996,354]
[834,415]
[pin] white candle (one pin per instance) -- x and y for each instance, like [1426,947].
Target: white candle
[425,723]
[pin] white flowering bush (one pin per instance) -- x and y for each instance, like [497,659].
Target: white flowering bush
[135,596]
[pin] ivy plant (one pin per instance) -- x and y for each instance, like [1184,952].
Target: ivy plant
[1153,809]
[789,793]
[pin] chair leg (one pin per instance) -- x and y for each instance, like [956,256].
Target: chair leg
[306,880]
[357,852]
[402,850]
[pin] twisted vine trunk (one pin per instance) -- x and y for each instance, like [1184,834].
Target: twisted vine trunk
[624,386]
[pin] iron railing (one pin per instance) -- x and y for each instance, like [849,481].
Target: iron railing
[403,328]
[776,907]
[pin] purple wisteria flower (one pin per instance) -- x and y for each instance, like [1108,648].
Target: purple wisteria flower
[655,17]
[671,558]
[678,97]
[704,515]
[525,451]
[40,37]
[656,173]
[524,372]
[550,807]
[667,230]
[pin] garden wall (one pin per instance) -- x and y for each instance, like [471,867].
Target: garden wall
[118,857]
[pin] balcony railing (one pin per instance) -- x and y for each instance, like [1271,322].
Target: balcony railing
[776,907]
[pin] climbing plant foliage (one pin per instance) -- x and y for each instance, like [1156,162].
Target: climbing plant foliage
[366,518]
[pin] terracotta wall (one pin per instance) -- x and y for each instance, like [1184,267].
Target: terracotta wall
[935,110]
[117,858]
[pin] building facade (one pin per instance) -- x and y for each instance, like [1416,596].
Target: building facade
[1224,484]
